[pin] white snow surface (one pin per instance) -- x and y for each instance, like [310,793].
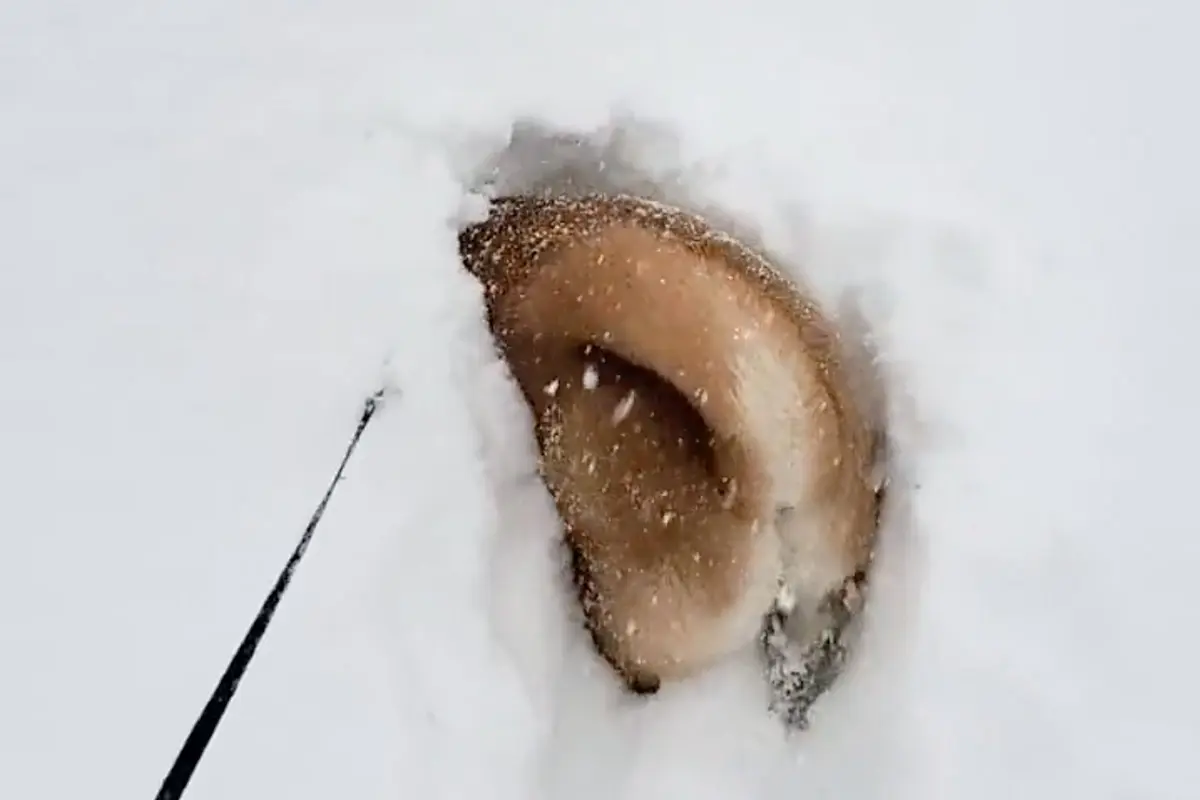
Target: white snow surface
[223,224]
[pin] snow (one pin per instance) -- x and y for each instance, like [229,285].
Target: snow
[225,224]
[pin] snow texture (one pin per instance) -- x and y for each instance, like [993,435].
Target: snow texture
[224,224]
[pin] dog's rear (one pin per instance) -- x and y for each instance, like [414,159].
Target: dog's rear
[694,420]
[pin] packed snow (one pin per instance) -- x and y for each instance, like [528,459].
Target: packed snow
[225,224]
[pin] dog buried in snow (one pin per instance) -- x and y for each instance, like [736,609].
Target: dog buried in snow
[718,479]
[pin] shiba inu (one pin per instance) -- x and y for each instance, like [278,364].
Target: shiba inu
[717,478]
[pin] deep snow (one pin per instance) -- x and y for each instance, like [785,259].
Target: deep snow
[224,224]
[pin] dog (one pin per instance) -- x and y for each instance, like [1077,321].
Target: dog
[697,425]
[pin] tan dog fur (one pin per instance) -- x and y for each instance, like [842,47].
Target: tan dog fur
[695,423]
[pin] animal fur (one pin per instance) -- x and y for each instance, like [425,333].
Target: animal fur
[697,428]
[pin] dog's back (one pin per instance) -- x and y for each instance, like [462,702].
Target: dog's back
[694,424]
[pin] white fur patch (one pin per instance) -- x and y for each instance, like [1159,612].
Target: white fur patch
[744,620]
[810,564]
[771,395]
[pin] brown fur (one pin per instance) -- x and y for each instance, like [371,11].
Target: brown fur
[694,417]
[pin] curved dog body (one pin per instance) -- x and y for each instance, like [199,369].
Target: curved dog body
[694,419]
